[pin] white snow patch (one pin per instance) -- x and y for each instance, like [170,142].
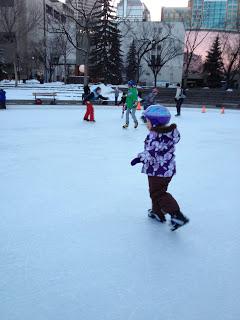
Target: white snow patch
[64,92]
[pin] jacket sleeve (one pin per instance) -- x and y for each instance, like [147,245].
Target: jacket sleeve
[178,93]
[152,145]
[176,136]
[145,100]
[102,98]
[89,97]
[136,96]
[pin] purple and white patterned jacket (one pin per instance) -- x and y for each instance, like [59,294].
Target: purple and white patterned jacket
[158,157]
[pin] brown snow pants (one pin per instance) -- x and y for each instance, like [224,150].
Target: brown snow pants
[162,201]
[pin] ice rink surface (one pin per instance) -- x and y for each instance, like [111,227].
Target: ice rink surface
[75,240]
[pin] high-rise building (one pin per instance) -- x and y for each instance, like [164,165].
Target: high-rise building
[171,72]
[133,10]
[7,3]
[215,14]
[82,6]
[33,31]
[57,10]
[177,14]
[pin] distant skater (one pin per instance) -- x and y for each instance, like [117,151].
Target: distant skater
[149,100]
[93,96]
[179,98]
[158,159]
[123,103]
[86,91]
[116,93]
[131,104]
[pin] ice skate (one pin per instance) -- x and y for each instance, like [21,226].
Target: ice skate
[143,119]
[178,220]
[136,125]
[125,126]
[153,215]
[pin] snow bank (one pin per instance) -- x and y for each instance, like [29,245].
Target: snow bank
[64,92]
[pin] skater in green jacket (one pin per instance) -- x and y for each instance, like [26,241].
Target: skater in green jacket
[131,103]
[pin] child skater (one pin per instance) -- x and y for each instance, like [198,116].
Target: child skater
[131,103]
[86,91]
[158,159]
[148,101]
[93,96]
[123,103]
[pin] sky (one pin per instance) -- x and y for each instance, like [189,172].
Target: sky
[155,6]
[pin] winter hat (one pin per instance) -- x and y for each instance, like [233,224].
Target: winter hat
[132,83]
[157,115]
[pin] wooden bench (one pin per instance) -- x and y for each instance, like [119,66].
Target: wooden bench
[45,94]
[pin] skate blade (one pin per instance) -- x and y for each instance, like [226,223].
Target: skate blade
[178,226]
[155,217]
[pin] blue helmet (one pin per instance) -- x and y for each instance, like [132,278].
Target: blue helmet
[157,115]
[132,83]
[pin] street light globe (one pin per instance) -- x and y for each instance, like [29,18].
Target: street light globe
[82,68]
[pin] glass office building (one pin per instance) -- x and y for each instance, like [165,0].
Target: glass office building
[176,14]
[215,14]
[133,10]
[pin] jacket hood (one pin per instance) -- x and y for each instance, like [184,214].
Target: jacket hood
[165,129]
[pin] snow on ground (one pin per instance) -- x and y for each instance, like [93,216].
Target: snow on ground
[64,92]
[75,239]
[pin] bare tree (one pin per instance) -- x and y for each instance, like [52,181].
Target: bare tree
[15,26]
[65,50]
[161,54]
[148,38]
[84,21]
[2,61]
[62,44]
[56,51]
[231,56]
[193,40]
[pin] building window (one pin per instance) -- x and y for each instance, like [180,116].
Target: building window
[7,3]
[63,19]
[49,10]
[7,37]
[56,15]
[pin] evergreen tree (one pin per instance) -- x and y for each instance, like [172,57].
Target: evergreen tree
[106,57]
[115,59]
[213,65]
[132,67]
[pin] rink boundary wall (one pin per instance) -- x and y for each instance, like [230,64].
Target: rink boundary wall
[77,106]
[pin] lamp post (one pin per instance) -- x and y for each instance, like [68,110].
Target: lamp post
[125,9]
[32,69]
[45,41]
[18,68]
